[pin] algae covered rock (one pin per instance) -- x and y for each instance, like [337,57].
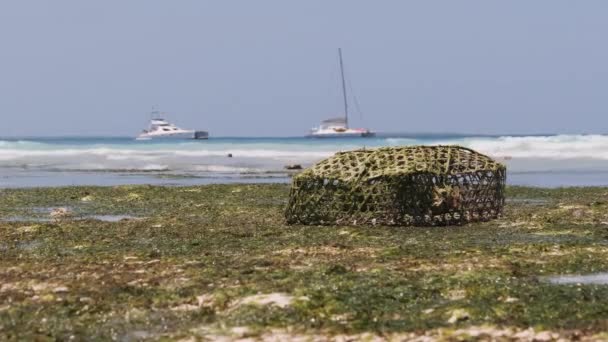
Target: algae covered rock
[416,185]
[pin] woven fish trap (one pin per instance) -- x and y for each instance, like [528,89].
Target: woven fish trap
[400,186]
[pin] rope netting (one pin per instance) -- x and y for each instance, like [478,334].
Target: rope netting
[418,185]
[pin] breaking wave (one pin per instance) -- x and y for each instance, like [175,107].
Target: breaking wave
[550,147]
[264,155]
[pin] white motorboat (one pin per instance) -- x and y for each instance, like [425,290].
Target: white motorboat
[160,128]
[338,127]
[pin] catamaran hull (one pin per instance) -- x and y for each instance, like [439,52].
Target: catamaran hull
[343,135]
[198,135]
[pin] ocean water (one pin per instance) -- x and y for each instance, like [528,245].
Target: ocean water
[551,161]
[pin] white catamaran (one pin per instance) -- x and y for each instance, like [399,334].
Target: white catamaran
[338,127]
[160,128]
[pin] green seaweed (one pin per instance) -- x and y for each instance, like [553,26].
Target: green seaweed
[187,267]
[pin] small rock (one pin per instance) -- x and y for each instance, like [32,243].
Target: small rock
[458,315]
[293,167]
[339,318]
[240,331]
[229,155]
[543,336]
[133,197]
[456,295]
[86,300]
[205,300]
[155,253]
[185,307]
[40,287]
[60,213]
[134,314]
[28,229]
[140,335]
[135,282]
[47,298]
[527,334]
[60,289]
[8,287]
[280,300]
[188,339]
[578,213]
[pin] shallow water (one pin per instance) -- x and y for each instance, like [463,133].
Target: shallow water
[40,214]
[112,218]
[25,219]
[528,201]
[29,245]
[512,238]
[547,161]
[33,178]
[104,218]
[12,178]
[596,278]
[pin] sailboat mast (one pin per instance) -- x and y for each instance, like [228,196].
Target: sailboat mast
[343,88]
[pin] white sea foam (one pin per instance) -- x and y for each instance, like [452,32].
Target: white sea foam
[227,169]
[550,147]
[528,153]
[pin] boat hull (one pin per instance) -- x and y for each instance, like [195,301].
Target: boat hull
[190,135]
[343,135]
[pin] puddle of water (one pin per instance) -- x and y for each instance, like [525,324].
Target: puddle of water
[112,218]
[38,214]
[26,219]
[529,201]
[105,218]
[29,245]
[41,210]
[48,210]
[508,238]
[597,279]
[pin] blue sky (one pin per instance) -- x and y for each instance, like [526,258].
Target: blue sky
[269,68]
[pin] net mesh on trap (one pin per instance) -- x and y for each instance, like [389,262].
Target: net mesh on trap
[418,185]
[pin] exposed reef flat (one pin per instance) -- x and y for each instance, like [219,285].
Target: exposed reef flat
[219,261]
